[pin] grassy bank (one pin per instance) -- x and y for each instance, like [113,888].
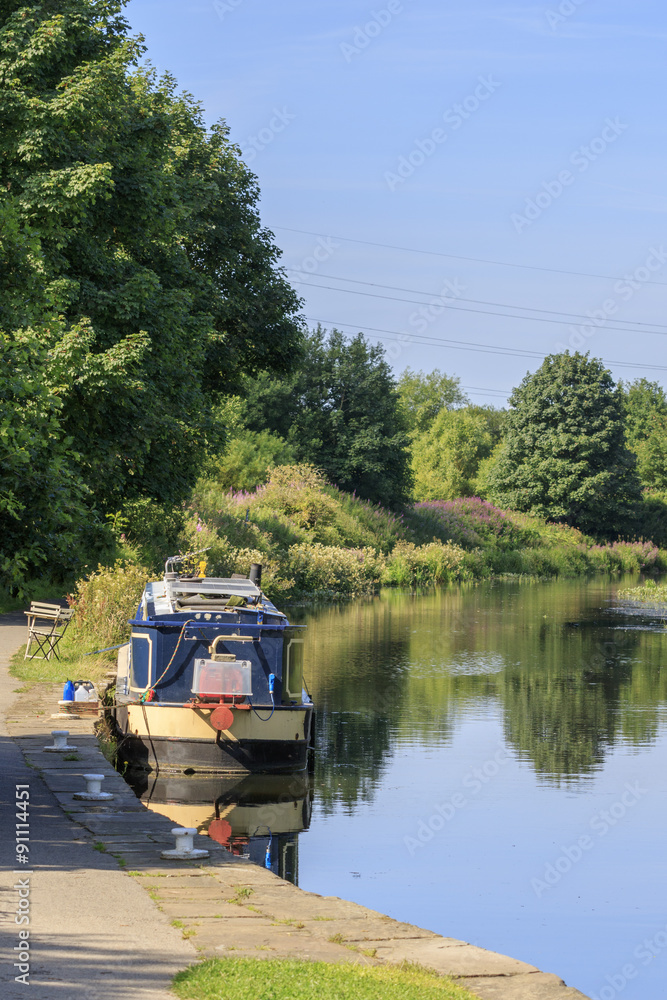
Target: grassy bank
[316,541]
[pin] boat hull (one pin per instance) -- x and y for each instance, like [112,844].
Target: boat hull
[182,739]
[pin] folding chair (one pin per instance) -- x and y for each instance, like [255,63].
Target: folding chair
[47,624]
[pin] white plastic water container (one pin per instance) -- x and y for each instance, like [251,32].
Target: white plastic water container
[81,694]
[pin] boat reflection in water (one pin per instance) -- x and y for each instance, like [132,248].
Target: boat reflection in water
[258,817]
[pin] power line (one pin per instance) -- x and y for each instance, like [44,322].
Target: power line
[477,348]
[483,302]
[473,260]
[486,312]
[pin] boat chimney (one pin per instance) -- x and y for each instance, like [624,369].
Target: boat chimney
[255,575]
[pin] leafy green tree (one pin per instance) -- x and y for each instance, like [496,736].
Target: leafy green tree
[565,456]
[340,411]
[644,400]
[446,457]
[646,417]
[424,396]
[248,457]
[135,219]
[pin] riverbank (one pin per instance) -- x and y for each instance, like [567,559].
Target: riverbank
[221,906]
[317,541]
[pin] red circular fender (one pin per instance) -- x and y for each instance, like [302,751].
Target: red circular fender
[222,717]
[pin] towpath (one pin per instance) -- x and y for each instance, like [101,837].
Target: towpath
[109,920]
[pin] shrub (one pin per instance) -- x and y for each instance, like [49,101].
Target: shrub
[325,570]
[105,601]
[410,565]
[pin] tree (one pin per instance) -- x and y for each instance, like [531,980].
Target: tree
[142,224]
[644,400]
[424,396]
[646,416]
[340,412]
[446,457]
[564,456]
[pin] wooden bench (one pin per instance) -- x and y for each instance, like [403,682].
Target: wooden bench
[47,624]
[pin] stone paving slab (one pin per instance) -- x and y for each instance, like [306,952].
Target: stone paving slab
[537,986]
[450,957]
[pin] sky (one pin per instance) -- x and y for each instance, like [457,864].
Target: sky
[474,186]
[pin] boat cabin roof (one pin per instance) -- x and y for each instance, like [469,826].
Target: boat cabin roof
[170,596]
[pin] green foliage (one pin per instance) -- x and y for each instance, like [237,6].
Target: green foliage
[249,455]
[564,457]
[147,531]
[291,979]
[643,401]
[105,601]
[425,565]
[646,422]
[340,412]
[128,216]
[446,457]
[43,502]
[424,396]
[652,517]
[649,592]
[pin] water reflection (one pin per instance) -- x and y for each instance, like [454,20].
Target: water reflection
[258,817]
[570,673]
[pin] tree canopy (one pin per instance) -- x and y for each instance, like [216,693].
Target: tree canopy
[136,282]
[564,456]
[142,222]
[445,458]
[646,418]
[340,411]
[424,395]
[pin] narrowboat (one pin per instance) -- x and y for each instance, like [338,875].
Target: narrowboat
[212,679]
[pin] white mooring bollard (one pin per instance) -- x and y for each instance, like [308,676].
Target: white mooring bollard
[185,849]
[93,791]
[60,744]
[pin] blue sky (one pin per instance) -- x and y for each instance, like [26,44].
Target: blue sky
[525,134]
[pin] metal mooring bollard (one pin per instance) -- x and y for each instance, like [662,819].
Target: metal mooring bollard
[59,741]
[185,849]
[93,791]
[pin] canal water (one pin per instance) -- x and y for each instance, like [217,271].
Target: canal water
[490,763]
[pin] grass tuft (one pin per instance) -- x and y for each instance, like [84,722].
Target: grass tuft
[288,979]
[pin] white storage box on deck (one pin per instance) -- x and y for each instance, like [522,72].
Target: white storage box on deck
[231,677]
